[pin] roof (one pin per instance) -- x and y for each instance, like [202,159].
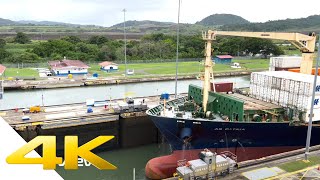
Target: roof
[184,170]
[220,159]
[197,163]
[224,56]
[107,63]
[2,69]
[67,63]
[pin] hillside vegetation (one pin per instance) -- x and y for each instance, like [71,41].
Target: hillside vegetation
[311,23]
[143,23]
[222,19]
[151,47]
[45,30]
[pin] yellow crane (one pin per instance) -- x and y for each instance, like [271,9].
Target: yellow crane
[305,43]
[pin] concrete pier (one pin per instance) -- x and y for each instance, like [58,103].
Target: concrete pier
[130,129]
[64,82]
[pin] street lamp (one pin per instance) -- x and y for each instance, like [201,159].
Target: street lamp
[177,53]
[311,109]
[125,41]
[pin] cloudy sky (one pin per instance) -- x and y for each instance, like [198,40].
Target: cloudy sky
[109,12]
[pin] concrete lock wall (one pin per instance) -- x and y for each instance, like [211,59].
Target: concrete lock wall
[129,132]
[139,130]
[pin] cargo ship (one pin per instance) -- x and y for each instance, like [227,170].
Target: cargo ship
[271,119]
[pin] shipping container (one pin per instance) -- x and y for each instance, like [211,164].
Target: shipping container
[286,76]
[283,68]
[286,61]
[223,86]
[316,110]
[287,89]
[297,70]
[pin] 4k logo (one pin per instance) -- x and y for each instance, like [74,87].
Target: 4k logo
[71,153]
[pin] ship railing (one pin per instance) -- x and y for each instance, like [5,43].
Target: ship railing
[229,155]
[173,103]
[181,162]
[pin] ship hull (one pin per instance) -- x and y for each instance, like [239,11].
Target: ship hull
[164,166]
[184,134]
[248,140]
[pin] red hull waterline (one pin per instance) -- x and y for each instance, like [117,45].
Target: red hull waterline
[165,166]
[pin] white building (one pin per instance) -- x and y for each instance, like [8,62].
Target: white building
[65,67]
[108,66]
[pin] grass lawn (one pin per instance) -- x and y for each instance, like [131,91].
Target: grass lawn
[184,68]
[292,52]
[25,72]
[155,69]
[298,165]
[18,48]
[254,63]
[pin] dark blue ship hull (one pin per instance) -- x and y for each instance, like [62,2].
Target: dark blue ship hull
[190,134]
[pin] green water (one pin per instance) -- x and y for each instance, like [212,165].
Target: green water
[124,159]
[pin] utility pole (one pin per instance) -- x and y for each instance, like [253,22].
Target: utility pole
[177,52]
[125,41]
[42,98]
[306,154]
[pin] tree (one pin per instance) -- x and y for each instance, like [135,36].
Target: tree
[72,39]
[231,45]
[4,54]
[253,46]
[87,48]
[107,52]
[46,49]
[192,46]
[98,40]
[261,46]
[154,37]
[2,43]
[27,57]
[56,56]
[22,38]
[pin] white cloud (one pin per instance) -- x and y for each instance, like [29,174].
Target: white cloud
[108,12]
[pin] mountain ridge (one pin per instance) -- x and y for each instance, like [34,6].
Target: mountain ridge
[222,19]
[217,21]
[311,23]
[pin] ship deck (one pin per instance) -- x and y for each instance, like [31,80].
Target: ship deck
[254,104]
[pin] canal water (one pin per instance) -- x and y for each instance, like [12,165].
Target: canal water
[25,98]
[124,159]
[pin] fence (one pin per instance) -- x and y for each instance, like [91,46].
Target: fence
[26,65]
[154,61]
[45,65]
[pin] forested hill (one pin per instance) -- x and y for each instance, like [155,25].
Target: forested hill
[6,22]
[311,23]
[222,19]
[45,23]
